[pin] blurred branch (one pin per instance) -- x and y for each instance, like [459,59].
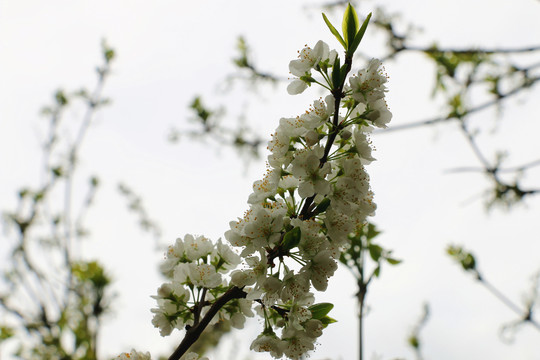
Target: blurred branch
[364,247]
[454,116]
[242,138]
[414,338]
[504,192]
[513,169]
[93,101]
[135,205]
[246,65]
[468,262]
[471,51]
[63,299]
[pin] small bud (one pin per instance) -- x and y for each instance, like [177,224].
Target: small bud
[346,134]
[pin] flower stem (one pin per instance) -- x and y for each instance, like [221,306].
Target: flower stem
[338,95]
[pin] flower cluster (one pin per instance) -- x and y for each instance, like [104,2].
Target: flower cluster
[315,193]
[194,264]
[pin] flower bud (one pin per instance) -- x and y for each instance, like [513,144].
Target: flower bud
[346,134]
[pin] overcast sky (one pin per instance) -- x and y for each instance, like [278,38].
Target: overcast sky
[169,51]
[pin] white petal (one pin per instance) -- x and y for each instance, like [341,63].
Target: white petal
[296,87]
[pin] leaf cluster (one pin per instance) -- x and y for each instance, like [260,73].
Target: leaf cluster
[362,244]
[352,31]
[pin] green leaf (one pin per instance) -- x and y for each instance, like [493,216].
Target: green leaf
[94,181]
[392,261]
[358,37]
[23,192]
[327,320]
[318,311]
[334,31]
[61,99]
[308,79]
[371,231]
[468,262]
[292,238]
[108,52]
[336,73]
[57,171]
[414,342]
[349,25]
[375,251]
[6,332]
[465,258]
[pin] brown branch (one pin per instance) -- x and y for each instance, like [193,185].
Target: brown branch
[193,333]
[472,51]
[513,169]
[338,95]
[526,316]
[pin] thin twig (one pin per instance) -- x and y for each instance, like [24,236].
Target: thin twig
[453,116]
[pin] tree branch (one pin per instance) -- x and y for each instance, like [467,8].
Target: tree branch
[452,115]
[193,333]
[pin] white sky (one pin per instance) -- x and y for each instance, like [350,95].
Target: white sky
[168,51]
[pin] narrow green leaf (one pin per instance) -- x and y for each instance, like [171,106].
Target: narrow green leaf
[349,25]
[334,31]
[392,261]
[358,37]
[336,73]
[327,320]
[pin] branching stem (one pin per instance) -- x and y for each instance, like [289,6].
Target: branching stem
[193,333]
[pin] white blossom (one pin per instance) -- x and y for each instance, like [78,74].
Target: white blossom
[197,247]
[134,355]
[268,342]
[202,275]
[297,343]
[320,269]
[296,87]
[368,85]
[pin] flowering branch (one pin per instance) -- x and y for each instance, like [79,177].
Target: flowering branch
[315,193]
[468,262]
